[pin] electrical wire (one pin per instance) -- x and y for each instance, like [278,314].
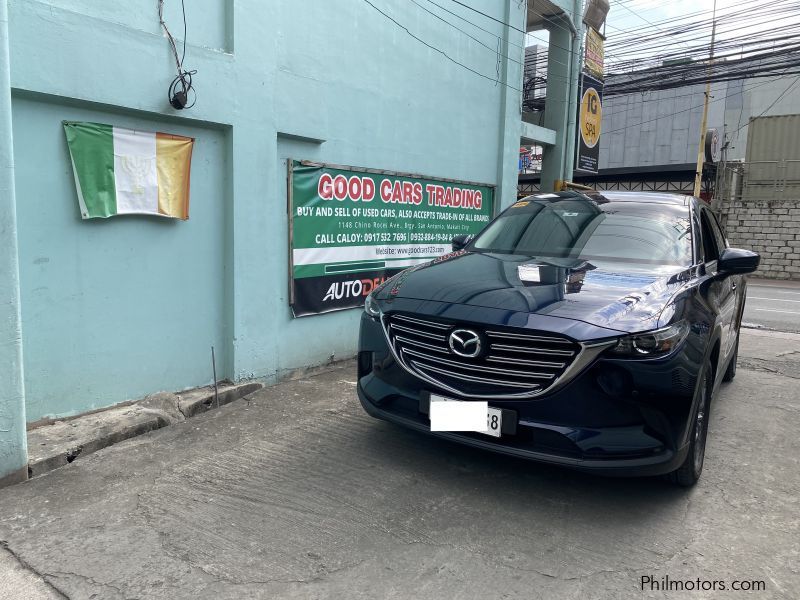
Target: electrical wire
[763,112]
[740,54]
[661,79]
[766,15]
[674,38]
[690,108]
[440,51]
[611,106]
[496,20]
[181,90]
[757,57]
[472,37]
[455,14]
[501,22]
[634,13]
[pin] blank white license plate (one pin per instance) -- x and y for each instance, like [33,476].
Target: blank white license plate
[448,414]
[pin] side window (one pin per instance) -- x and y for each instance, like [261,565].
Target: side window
[697,237]
[722,243]
[710,249]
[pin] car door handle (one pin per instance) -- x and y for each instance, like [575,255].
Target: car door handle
[733,285]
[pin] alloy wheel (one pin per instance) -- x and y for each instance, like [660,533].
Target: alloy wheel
[700,425]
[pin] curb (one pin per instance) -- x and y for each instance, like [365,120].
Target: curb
[59,443]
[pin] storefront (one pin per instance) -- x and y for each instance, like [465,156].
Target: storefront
[111,309]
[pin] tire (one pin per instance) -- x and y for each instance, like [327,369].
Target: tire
[689,472]
[730,372]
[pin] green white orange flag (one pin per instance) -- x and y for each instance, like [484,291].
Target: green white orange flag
[124,171]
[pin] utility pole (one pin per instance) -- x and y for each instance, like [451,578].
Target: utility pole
[701,147]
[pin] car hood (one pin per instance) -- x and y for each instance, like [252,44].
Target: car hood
[623,296]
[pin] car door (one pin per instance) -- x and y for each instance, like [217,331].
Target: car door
[723,287]
[736,284]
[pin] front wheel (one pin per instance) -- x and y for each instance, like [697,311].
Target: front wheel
[689,472]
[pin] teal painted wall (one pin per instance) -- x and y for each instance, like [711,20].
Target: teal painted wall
[114,310]
[110,306]
[13,449]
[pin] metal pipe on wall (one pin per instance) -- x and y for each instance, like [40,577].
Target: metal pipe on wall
[13,437]
[574,83]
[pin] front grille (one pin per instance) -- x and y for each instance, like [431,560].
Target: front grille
[510,364]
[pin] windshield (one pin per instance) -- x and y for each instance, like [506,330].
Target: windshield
[581,228]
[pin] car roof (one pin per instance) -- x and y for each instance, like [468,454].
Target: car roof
[657,197]
[617,196]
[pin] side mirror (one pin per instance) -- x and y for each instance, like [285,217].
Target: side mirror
[460,241]
[736,260]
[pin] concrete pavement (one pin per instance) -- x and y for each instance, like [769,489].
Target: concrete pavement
[773,304]
[19,581]
[295,493]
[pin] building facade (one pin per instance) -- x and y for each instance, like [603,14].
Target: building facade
[662,127]
[97,312]
[753,181]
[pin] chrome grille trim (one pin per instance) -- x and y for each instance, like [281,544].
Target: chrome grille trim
[533,350]
[474,378]
[524,336]
[527,363]
[433,336]
[419,346]
[421,322]
[480,368]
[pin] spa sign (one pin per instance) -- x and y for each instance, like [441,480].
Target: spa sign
[352,228]
[590,119]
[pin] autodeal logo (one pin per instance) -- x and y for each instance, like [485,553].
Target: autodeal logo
[355,288]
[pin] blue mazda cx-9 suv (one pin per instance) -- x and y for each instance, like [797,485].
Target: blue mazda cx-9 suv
[597,329]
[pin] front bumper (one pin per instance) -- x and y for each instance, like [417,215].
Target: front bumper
[637,429]
[663,462]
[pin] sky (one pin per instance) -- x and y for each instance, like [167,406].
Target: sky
[630,16]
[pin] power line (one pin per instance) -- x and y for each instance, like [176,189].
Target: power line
[632,106]
[440,51]
[455,14]
[765,9]
[458,16]
[676,37]
[496,20]
[472,37]
[672,37]
[722,13]
[688,109]
[672,76]
[763,112]
[618,3]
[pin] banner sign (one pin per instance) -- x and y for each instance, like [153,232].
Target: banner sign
[595,53]
[590,118]
[352,228]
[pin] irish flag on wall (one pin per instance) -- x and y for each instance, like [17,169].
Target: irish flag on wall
[124,171]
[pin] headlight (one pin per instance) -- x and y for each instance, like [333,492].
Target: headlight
[371,307]
[652,343]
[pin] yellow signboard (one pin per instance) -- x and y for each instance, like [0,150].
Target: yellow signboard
[595,53]
[591,117]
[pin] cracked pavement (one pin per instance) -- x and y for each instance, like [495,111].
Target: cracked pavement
[296,493]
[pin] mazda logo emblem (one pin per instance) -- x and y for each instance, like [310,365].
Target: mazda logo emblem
[465,342]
